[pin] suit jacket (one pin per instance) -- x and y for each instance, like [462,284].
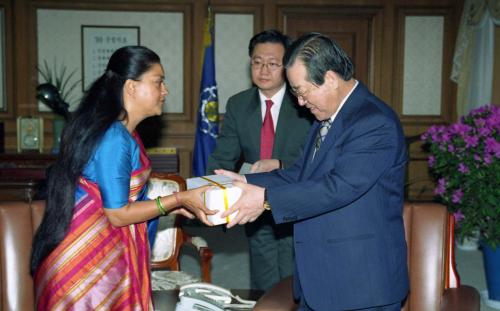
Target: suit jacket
[240,135]
[346,205]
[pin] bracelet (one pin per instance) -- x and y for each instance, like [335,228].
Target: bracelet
[160,206]
[177,198]
[281,163]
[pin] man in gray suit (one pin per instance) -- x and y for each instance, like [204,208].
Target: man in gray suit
[264,126]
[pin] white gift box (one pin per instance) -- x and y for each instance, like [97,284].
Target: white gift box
[220,197]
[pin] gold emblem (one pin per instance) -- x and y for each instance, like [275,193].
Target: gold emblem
[212,111]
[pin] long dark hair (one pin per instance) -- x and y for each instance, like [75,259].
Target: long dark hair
[101,105]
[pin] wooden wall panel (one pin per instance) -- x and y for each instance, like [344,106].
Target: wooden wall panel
[371,30]
[6,109]
[418,176]
[448,111]
[496,70]
[354,29]
[8,114]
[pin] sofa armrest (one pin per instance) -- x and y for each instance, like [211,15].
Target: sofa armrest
[463,298]
[278,298]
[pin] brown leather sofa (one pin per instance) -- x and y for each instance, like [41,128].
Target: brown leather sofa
[18,222]
[429,232]
[434,282]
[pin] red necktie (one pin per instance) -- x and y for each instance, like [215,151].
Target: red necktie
[267,133]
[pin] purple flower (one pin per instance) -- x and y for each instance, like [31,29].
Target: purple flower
[492,146]
[435,132]
[431,160]
[471,141]
[460,129]
[462,168]
[436,137]
[478,111]
[484,131]
[441,187]
[456,197]
[479,122]
[446,137]
[488,159]
[459,216]
[472,149]
[494,122]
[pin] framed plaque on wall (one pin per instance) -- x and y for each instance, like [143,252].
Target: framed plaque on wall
[98,43]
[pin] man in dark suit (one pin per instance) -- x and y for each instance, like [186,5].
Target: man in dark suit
[344,194]
[265,127]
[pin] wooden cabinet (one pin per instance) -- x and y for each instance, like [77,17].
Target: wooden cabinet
[22,175]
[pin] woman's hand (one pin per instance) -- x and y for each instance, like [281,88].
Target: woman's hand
[192,203]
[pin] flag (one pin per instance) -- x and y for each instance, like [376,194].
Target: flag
[207,126]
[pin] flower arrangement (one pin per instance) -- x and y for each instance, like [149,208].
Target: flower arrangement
[465,162]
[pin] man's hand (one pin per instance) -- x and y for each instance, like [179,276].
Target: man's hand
[265,165]
[249,206]
[192,202]
[234,176]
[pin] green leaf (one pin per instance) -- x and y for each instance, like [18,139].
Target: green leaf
[60,78]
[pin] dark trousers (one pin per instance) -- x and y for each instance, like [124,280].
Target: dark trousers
[271,251]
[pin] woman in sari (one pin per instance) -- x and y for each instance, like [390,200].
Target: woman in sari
[91,251]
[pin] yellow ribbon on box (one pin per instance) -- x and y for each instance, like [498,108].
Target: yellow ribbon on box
[224,191]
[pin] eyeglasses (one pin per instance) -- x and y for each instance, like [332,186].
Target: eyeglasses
[302,93]
[259,64]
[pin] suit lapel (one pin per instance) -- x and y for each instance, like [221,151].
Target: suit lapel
[309,148]
[338,125]
[284,123]
[254,121]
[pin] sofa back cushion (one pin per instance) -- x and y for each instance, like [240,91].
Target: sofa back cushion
[18,222]
[426,232]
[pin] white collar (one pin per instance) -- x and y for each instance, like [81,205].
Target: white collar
[343,102]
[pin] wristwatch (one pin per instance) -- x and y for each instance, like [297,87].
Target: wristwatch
[266,205]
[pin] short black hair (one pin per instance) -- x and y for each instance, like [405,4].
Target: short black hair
[319,54]
[269,36]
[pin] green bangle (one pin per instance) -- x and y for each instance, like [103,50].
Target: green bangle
[160,206]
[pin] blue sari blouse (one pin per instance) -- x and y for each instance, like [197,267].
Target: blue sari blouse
[116,156]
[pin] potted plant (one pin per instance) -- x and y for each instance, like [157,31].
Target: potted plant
[56,93]
[464,159]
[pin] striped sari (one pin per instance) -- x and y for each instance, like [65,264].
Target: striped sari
[98,266]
